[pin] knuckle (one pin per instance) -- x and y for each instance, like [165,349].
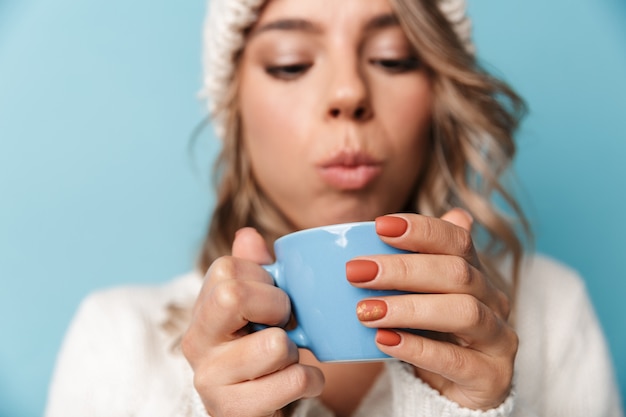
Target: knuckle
[285,302]
[427,228]
[456,360]
[202,383]
[419,348]
[298,379]
[461,272]
[229,295]
[503,377]
[512,342]
[222,268]
[472,311]
[504,303]
[188,346]
[276,345]
[466,243]
[401,267]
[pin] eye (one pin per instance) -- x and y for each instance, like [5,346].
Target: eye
[397,66]
[287,72]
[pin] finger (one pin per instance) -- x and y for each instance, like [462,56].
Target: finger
[228,268]
[251,357]
[459,217]
[471,322]
[423,234]
[427,274]
[265,395]
[464,367]
[232,304]
[296,381]
[453,362]
[438,274]
[250,245]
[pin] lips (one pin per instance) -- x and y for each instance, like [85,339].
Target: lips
[350,170]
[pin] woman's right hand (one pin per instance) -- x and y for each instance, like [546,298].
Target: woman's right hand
[236,372]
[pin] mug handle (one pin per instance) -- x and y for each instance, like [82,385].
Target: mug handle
[297,335]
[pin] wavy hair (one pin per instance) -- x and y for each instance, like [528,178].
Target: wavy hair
[475,116]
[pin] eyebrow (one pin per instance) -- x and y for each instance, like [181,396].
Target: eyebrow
[288,24]
[381,22]
[297,24]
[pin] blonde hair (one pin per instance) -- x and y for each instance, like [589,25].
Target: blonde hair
[474,118]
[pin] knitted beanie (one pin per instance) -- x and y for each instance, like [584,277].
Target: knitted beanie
[224,29]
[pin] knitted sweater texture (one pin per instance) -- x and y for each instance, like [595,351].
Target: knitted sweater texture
[117,359]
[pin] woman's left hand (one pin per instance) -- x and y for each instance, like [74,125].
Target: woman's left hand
[471,357]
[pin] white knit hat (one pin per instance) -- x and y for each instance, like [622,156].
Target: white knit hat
[224,37]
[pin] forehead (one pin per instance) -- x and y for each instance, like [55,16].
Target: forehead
[324,15]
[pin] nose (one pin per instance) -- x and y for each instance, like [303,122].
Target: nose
[349,96]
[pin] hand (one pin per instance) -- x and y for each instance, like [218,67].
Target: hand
[238,373]
[470,359]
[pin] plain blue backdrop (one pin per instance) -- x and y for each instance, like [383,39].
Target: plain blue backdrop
[100,184]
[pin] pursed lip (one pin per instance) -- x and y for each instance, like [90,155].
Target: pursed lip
[350,170]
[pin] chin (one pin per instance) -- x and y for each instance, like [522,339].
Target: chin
[346,216]
[341,209]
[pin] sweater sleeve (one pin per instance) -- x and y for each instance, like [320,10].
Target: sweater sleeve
[579,373]
[100,361]
[85,363]
[563,366]
[112,362]
[413,397]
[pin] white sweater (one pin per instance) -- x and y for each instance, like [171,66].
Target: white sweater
[117,360]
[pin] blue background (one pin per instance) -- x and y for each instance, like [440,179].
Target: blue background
[101,185]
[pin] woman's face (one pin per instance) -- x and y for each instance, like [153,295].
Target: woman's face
[335,108]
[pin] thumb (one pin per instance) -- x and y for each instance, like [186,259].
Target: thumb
[250,245]
[459,217]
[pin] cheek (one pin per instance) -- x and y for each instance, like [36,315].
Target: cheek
[259,111]
[274,124]
[406,113]
[262,113]
[410,107]
[272,110]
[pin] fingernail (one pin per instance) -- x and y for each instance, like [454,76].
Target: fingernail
[361,270]
[370,310]
[391,226]
[388,337]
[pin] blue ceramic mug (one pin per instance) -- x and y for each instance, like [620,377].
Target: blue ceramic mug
[311,268]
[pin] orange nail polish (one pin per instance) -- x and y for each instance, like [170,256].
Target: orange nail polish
[370,310]
[361,270]
[391,226]
[388,337]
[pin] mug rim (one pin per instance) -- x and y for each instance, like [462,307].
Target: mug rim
[327,227]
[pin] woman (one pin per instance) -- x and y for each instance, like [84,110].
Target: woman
[347,111]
